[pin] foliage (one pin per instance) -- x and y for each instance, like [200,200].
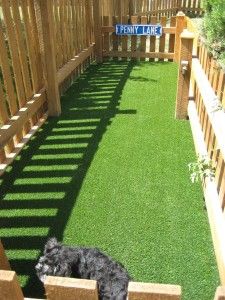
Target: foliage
[214,27]
[201,169]
[217,105]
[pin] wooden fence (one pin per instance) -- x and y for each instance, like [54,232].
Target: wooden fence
[164,48]
[207,119]
[150,7]
[40,53]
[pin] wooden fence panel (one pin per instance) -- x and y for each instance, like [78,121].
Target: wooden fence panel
[23,63]
[150,7]
[141,47]
[212,123]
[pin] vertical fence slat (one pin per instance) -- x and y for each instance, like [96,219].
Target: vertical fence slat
[4,118]
[134,20]
[75,28]
[153,38]
[115,38]
[59,44]
[8,82]
[124,39]
[97,30]
[54,106]
[34,35]
[30,48]
[143,38]
[163,37]
[22,51]
[106,34]
[172,36]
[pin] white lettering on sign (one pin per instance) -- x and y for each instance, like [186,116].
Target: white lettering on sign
[152,30]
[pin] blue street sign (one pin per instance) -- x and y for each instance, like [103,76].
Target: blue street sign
[123,29]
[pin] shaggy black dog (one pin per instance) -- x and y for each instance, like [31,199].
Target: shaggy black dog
[86,263]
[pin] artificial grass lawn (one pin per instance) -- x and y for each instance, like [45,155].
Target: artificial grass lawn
[112,172]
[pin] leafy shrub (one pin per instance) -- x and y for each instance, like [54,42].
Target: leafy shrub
[201,169]
[214,26]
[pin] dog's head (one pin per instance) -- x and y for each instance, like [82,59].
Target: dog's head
[53,262]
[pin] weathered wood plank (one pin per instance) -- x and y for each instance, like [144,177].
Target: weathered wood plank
[62,288]
[145,291]
[10,285]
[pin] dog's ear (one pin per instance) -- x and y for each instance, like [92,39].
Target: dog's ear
[51,244]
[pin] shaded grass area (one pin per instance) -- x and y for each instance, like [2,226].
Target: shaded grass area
[111,172]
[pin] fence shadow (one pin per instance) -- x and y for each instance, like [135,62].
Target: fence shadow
[40,189]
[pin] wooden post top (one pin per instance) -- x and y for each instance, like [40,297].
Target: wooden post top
[186,34]
[180,14]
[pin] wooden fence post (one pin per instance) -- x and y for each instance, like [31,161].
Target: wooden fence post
[220,293]
[98,30]
[4,263]
[180,25]
[184,74]
[62,288]
[9,286]
[47,21]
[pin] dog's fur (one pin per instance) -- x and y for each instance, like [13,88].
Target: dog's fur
[86,263]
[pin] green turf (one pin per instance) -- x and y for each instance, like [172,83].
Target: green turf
[112,172]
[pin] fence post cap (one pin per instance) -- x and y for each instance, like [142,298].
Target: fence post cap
[186,34]
[180,14]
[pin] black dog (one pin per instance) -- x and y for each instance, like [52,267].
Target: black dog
[86,263]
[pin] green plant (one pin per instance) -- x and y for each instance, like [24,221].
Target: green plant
[214,26]
[201,169]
